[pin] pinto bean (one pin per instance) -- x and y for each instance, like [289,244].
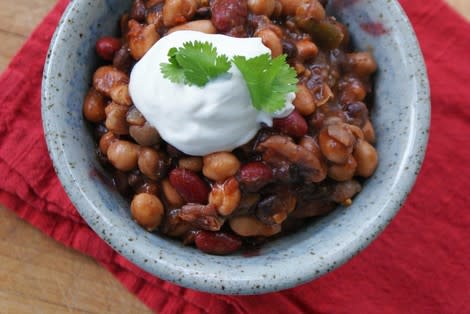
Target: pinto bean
[105,141]
[134,117]
[270,40]
[361,63]
[343,172]
[283,147]
[203,26]
[303,101]
[369,133]
[147,210]
[145,135]
[191,163]
[178,11]
[220,166]
[116,119]
[262,7]
[120,95]
[249,226]
[366,157]
[171,195]
[201,216]
[332,148]
[306,49]
[93,106]
[225,196]
[141,38]
[152,163]
[123,155]
[106,77]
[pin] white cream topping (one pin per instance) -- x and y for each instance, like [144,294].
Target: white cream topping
[201,120]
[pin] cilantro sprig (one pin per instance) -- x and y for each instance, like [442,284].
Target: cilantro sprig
[196,63]
[268,80]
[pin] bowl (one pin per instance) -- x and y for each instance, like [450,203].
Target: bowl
[401,115]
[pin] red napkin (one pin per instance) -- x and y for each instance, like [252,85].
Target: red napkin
[420,264]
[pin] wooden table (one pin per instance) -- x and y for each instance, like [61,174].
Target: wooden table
[37,274]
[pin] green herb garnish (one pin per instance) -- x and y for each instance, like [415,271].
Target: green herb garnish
[196,63]
[268,80]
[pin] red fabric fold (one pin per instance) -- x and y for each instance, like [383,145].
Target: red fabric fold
[418,265]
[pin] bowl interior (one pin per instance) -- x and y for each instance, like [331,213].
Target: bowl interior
[400,115]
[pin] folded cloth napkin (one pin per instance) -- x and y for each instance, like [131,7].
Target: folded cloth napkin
[420,264]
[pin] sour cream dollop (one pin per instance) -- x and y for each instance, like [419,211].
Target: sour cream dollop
[201,120]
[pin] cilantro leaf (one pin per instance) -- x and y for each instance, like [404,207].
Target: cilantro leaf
[196,63]
[268,80]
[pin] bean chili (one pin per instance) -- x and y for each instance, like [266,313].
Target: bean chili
[302,167]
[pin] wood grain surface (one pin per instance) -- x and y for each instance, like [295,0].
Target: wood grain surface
[37,274]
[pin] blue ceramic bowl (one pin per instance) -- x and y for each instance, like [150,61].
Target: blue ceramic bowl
[401,117]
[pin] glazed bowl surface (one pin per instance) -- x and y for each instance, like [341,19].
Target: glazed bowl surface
[401,115]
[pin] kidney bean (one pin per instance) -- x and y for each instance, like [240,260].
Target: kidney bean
[189,185]
[254,175]
[225,196]
[228,14]
[106,47]
[218,243]
[147,210]
[219,166]
[93,106]
[292,125]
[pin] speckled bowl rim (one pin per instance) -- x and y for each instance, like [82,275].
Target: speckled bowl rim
[406,177]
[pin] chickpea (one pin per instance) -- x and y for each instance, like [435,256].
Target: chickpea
[123,155]
[366,157]
[120,95]
[362,63]
[178,11]
[270,40]
[93,106]
[220,166]
[249,226]
[303,101]
[116,119]
[141,38]
[191,163]
[172,197]
[203,26]
[149,162]
[226,196]
[332,149]
[106,140]
[262,7]
[343,172]
[306,49]
[145,135]
[147,210]
[369,133]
